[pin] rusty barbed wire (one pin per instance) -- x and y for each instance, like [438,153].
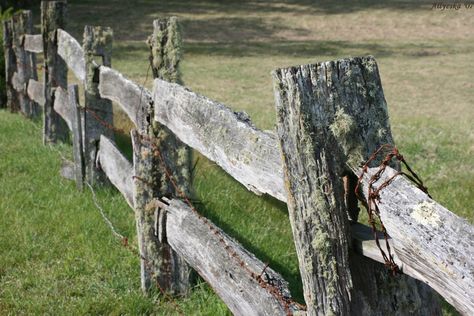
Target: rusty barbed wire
[373,196]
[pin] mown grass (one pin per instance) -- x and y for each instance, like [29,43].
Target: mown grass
[58,256]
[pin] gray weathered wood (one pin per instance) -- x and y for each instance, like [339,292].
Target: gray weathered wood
[76,128]
[62,106]
[10,66]
[203,245]
[168,157]
[433,243]
[72,53]
[53,17]
[33,43]
[22,23]
[158,262]
[36,91]
[17,83]
[331,117]
[249,155]
[315,195]
[67,170]
[99,114]
[117,168]
[132,98]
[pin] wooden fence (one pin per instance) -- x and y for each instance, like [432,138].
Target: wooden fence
[331,117]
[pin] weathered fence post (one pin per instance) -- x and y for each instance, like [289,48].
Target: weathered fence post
[53,17]
[98,112]
[331,117]
[155,148]
[26,62]
[10,66]
[77,143]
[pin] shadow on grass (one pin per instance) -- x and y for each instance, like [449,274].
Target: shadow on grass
[211,20]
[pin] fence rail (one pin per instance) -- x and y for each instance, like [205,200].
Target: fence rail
[432,244]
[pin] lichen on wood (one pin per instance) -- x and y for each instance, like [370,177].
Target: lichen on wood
[53,17]
[98,111]
[22,24]
[331,117]
[164,163]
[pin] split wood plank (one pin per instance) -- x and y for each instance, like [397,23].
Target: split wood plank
[72,53]
[36,91]
[203,245]
[33,43]
[62,106]
[117,168]
[132,98]
[229,138]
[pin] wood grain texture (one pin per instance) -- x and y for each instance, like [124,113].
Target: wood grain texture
[22,24]
[169,158]
[72,53]
[159,263]
[331,117]
[53,17]
[62,106]
[35,91]
[10,66]
[203,244]
[117,168]
[99,114]
[77,135]
[249,155]
[134,99]
[432,242]
[33,43]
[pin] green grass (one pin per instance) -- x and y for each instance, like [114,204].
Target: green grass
[58,256]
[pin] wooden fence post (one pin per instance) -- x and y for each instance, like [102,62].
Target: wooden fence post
[331,117]
[53,17]
[154,148]
[26,62]
[98,112]
[10,66]
[77,143]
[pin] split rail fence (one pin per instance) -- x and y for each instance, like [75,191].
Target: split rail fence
[331,117]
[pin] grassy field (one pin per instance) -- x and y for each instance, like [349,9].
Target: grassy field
[57,254]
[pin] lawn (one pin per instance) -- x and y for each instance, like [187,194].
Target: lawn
[57,254]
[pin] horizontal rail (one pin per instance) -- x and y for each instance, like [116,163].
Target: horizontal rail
[117,168]
[435,244]
[62,106]
[225,264]
[228,138]
[72,53]
[36,92]
[33,43]
[131,97]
